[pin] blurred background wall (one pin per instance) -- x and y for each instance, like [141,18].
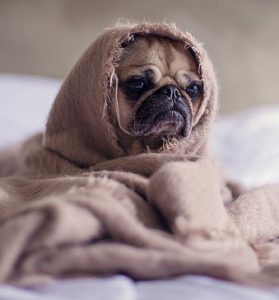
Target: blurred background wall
[46,37]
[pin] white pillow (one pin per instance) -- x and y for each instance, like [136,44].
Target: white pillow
[247,143]
[24,105]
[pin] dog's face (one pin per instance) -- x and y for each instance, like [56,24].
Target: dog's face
[159,90]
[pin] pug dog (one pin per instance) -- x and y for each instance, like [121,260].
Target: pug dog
[158,94]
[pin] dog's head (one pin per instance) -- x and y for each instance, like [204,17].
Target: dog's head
[159,90]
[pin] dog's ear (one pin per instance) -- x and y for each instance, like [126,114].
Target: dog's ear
[193,54]
[128,41]
[131,40]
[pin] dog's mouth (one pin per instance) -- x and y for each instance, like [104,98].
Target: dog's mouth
[165,124]
[162,118]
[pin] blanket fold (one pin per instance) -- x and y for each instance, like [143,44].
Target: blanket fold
[78,205]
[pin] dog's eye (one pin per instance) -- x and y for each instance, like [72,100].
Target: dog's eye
[194,90]
[136,84]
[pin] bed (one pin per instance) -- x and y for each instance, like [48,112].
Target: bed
[247,144]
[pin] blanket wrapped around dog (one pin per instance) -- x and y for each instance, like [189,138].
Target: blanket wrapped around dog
[75,204]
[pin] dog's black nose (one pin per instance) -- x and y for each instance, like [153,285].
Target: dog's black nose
[171,91]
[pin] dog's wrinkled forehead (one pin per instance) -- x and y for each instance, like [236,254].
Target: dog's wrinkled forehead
[165,57]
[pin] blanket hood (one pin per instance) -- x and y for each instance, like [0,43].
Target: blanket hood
[79,127]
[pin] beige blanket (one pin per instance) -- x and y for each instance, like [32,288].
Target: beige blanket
[72,203]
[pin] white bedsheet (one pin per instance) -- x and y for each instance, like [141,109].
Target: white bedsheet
[247,144]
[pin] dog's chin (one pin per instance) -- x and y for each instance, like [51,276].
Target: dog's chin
[165,125]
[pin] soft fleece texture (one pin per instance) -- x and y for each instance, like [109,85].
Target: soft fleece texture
[79,206]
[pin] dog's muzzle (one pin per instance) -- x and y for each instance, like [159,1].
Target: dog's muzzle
[164,113]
